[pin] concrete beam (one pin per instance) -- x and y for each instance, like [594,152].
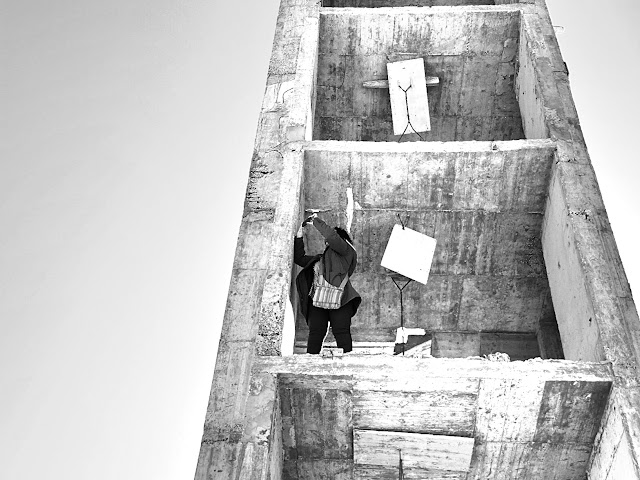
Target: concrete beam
[379,373]
[440,9]
[238,440]
[545,145]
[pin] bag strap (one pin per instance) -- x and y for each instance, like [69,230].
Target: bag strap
[350,244]
[321,272]
[344,281]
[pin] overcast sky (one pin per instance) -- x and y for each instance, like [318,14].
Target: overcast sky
[127,132]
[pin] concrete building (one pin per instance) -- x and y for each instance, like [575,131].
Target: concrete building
[525,264]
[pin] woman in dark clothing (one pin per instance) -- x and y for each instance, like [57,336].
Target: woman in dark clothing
[339,260]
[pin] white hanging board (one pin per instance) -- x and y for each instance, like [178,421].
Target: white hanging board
[408,75]
[409,253]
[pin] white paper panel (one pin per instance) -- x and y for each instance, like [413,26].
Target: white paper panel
[404,74]
[409,253]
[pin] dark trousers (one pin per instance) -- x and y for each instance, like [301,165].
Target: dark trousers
[319,319]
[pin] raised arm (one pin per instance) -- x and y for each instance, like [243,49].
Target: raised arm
[299,256]
[335,241]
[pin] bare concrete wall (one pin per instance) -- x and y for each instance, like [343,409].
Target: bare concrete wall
[519,346]
[578,330]
[238,439]
[613,455]
[473,54]
[529,92]
[488,272]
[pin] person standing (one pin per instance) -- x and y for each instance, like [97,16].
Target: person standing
[337,262]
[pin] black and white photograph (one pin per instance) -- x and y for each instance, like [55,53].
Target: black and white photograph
[319,240]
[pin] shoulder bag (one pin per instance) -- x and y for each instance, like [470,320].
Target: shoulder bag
[325,295]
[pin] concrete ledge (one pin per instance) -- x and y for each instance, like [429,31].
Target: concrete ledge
[458,10]
[429,147]
[384,372]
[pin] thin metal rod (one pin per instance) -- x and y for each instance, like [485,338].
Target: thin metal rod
[406,102]
[401,303]
[401,221]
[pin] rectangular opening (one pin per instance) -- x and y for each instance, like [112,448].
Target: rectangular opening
[474,56]
[484,203]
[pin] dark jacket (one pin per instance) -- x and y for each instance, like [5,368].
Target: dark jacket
[340,259]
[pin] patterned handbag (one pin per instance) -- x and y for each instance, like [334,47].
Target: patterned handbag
[325,295]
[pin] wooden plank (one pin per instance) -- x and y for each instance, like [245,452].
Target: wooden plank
[408,92]
[430,82]
[419,450]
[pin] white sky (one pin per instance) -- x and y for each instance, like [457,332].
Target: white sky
[127,132]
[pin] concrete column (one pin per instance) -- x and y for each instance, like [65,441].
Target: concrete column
[238,441]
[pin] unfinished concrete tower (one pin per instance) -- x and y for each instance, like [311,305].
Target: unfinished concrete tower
[525,264]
